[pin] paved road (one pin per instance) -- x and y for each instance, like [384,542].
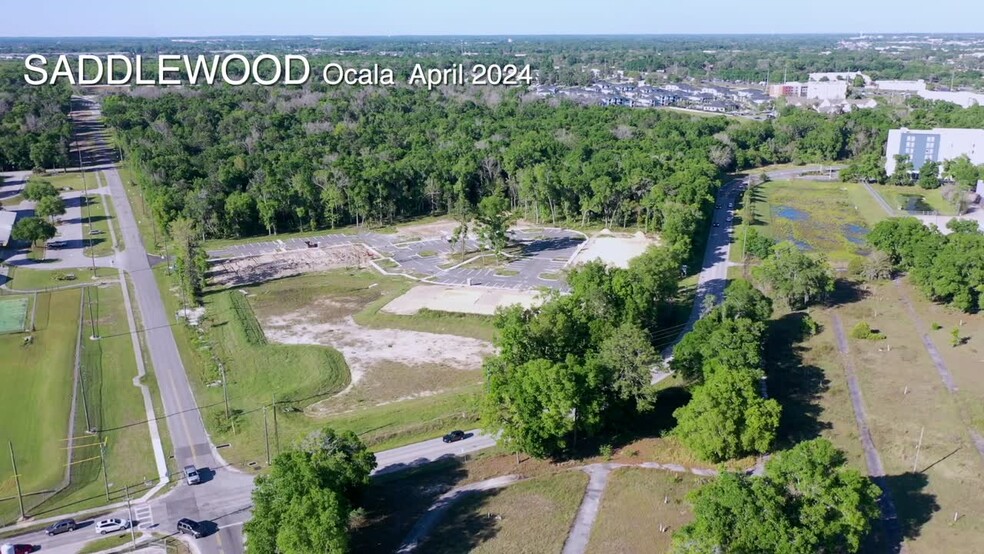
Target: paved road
[876,470]
[428,451]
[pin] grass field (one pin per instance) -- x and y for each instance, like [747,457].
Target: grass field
[99,212]
[70,180]
[115,408]
[36,396]
[831,218]
[23,278]
[13,313]
[108,543]
[905,398]
[636,503]
[530,516]
[915,198]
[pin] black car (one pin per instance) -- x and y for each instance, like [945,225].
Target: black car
[62,526]
[191,527]
[454,436]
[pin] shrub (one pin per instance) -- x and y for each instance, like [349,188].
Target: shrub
[863,331]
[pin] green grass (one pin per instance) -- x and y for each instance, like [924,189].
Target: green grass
[107,543]
[827,209]
[926,200]
[529,516]
[13,313]
[99,212]
[633,509]
[141,212]
[71,180]
[35,398]
[23,278]
[115,408]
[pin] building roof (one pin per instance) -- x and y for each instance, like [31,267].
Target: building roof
[6,225]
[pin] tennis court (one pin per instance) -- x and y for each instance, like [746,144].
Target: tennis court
[13,313]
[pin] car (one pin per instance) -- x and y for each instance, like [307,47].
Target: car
[454,436]
[61,526]
[191,475]
[718,206]
[716,224]
[190,527]
[56,244]
[731,205]
[112,525]
[18,548]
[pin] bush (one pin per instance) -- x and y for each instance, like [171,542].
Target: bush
[863,331]
[936,326]
[606,451]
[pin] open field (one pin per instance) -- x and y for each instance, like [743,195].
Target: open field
[614,249]
[530,516]
[915,198]
[35,398]
[23,278]
[114,405]
[635,505]
[71,180]
[905,398]
[830,218]
[13,314]
[463,300]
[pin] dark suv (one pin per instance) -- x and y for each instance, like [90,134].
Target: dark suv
[59,527]
[455,436]
[191,527]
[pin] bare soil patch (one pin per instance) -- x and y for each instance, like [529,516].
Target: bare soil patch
[614,249]
[473,300]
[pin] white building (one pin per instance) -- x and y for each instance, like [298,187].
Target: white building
[937,145]
[827,90]
[7,219]
[901,86]
[962,98]
[840,76]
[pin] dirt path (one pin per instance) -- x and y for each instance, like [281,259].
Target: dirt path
[937,359]
[876,470]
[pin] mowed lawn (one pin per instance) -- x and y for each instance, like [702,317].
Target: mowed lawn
[23,278]
[530,516]
[35,397]
[640,511]
[905,398]
[822,217]
[115,408]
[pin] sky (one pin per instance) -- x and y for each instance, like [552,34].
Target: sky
[478,17]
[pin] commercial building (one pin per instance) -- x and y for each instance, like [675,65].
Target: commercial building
[937,145]
[818,90]
[6,226]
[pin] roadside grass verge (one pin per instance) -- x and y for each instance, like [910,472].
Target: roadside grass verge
[529,516]
[636,504]
[23,278]
[98,213]
[66,180]
[115,408]
[149,231]
[915,198]
[108,543]
[35,399]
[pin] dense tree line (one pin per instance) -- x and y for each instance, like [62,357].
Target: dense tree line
[947,268]
[581,362]
[34,127]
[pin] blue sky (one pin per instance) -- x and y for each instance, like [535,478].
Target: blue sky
[462,17]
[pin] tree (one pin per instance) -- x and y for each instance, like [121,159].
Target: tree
[877,266]
[50,206]
[743,300]
[32,229]
[807,501]
[929,175]
[629,357]
[757,244]
[493,218]
[796,278]
[963,172]
[303,504]
[903,171]
[190,259]
[36,189]
[727,417]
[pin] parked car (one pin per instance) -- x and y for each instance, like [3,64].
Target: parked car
[454,436]
[61,526]
[191,527]
[18,548]
[192,476]
[112,525]
[56,244]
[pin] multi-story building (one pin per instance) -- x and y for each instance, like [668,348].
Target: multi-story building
[936,145]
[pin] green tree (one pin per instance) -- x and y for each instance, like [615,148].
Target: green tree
[743,300]
[50,206]
[727,417]
[629,357]
[757,244]
[190,258]
[36,189]
[963,172]
[32,229]
[929,175]
[807,501]
[493,217]
[303,504]
[796,278]
[903,171]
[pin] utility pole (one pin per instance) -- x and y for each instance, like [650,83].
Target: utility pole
[20,495]
[266,434]
[276,431]
[102,458]
[92,319]
[129,516]
[78,367]
[88,210]
[918,447]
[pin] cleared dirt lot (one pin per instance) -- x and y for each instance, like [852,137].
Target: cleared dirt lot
[614,248]
[247,270]
[467,300]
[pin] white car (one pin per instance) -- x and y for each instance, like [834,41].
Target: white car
[112,525]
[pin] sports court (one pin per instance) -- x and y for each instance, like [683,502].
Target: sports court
[13,313]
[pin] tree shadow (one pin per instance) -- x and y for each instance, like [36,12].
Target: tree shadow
[466,525]
[847,291]
[913,508]
[795,385]
[394,502]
